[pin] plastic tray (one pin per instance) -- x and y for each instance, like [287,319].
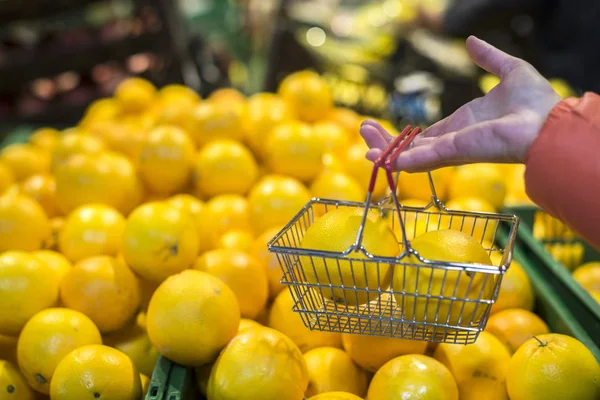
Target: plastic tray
[171,381]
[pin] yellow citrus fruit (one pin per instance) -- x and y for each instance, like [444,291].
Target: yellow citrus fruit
[227,96]
[480,228]
[138,347]
[27,286]
[347,119]
[488,357]
[588,276]
[335,396]
[274,201]
[237,240]
[135,95]
[25,225]
[224,167]
[372,352]
[199,212]
[178,91]
[6,177]
[45,138]
[8,348]
[116,136]
[308,94]
[334,137]
[25,160]
[239,372]
[515,326]
[553,366]
[42,188]
[159,240]
[48,337]
[516,194]
[145,382]
[293,149]
[92,230]
[165,159]
[54,260]
[212,120]
[174,111]
[227,212]
[288,322]
[105,178]
[56,225]
[337,186]
[95,372]
[147,289]
[246,323]
[265,111]
[261,251]
[332,370]
[337,231]
[13,383]
[204,305]
[104,289]
[448,246]
[483,388]
[479,180]
[242,273]
[361,169]
[74,143]
[106,109]
[413,376]
[516,290]
[416,186]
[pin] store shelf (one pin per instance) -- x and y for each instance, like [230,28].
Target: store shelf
[14,10]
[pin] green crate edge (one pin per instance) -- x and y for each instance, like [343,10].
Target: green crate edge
[578,300]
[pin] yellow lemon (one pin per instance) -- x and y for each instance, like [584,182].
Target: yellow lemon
[104,289]
[42,188]
[361,169]
[416,186]
[481,228]
[516,290]
[92,230]
[513,327]
[141,351]
[135,95]
[182,92]
[48,337]
[308,94]
[58,262]
[45,138]
[159,240]
[27,286]
[199,212]
[25,160]
[13,383]
[413,376]
[293,149]
[72,143]
[332,370]
[242,273]
[237,240]
[165,159]
[96,371]
[246,323]
[261,251]
[227,212]
[337,186]
[553,366]
[479,180]
[204,305]
[23,223]
[347,119]
[372,352]
[288,322]
[7,179]
[588,276]
[212,120]
[334,137]
[224,167]
[336,231]
[274,201]
[106,109]
[487,358]
[448,246]
[335,396]
[239,372]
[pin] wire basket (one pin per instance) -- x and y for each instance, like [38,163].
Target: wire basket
[407,296]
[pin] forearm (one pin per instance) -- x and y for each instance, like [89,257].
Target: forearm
[462,18]
[563,166]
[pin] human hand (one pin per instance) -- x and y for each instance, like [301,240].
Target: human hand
[499,127]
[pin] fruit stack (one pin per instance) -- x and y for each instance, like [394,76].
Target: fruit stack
[143,231]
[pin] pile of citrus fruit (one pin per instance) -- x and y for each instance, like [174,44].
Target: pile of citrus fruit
[143,230]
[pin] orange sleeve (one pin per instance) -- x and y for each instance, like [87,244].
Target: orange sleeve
[562,172]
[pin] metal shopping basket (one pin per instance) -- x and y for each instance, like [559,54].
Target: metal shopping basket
[412,297]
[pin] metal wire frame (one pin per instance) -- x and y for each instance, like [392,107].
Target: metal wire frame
[452,306]
[558,239]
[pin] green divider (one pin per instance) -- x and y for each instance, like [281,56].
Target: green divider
[160,379]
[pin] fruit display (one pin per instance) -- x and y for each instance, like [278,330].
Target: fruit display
[143,232]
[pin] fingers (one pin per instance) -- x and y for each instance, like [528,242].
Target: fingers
[491,59]
[375,135]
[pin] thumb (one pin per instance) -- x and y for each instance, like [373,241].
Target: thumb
[490,58]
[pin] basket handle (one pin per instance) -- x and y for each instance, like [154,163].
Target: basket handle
[385,159]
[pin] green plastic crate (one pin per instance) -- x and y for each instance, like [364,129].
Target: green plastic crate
[171,381]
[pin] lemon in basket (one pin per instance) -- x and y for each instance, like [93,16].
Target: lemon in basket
[413,284]
[355,282]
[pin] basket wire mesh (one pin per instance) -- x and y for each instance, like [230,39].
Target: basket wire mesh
[407,296]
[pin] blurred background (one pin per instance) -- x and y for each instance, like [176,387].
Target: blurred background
[386,58]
